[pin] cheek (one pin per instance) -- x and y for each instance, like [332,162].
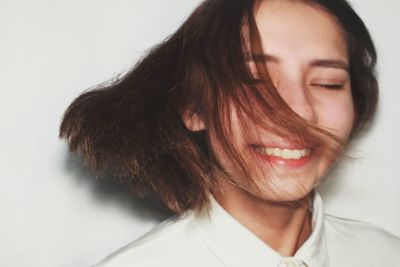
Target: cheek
[219,149]
[337,116]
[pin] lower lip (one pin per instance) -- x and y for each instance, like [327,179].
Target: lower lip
[294,163]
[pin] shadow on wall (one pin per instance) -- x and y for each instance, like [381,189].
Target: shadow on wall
[108,189]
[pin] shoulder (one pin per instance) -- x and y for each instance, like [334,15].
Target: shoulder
[363,242]
[171,243]
[360,231]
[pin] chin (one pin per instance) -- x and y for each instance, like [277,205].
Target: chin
[286,190]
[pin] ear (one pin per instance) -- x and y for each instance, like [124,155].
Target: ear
[193,120]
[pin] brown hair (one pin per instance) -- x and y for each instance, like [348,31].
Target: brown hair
[134,127]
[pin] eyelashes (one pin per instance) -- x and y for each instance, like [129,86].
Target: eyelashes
[253,82]
[329,86]
[322,83]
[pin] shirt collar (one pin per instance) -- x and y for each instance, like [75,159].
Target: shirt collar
[235,245]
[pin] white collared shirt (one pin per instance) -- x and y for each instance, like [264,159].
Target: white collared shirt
[219,240]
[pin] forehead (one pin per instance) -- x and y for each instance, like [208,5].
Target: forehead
[289,26]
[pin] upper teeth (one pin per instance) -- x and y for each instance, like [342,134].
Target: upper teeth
[285,153]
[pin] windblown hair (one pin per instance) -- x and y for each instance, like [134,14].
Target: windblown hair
[134,125]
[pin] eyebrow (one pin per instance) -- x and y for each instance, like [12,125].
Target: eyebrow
[322,63]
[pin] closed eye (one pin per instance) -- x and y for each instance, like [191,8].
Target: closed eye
[330,86]
[254,81]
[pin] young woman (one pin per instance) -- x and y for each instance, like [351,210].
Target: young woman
[233,122]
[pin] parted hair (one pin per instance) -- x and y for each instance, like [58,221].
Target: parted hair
[133,126]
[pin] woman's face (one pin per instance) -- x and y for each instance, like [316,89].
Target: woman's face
[306,57]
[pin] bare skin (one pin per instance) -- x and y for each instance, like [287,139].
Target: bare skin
[288,29]
[283,226]
[307,59]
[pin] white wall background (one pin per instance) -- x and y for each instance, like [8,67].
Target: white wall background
[53,213]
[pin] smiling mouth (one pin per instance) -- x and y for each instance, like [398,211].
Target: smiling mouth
[293,157]
[284,153]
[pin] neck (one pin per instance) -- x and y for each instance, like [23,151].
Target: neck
[282,226]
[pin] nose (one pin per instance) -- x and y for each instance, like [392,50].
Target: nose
[299,99]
